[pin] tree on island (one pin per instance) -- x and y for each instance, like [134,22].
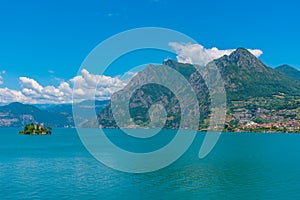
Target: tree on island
[36,129]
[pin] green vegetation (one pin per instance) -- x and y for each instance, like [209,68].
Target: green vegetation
[259,98]
[36,129]
[289,71]
[279,113]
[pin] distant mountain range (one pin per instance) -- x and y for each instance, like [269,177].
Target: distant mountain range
[246,79]
[18,114]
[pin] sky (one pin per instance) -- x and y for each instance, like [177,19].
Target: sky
[43,43]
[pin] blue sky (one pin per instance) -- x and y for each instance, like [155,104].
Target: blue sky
[48,40]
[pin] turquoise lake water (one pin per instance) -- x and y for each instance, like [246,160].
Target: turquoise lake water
[241,166]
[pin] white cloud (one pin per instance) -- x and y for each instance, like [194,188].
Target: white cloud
[35,93]
[198,54]
[65,88]
[90,86]
[30,84]
[87,83]
[8,95]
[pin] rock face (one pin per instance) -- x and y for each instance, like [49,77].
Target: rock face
[243,74]
[246,76]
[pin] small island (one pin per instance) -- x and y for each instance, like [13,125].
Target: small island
[36,129]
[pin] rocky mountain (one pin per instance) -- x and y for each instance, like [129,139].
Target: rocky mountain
[289,71]
[245,77]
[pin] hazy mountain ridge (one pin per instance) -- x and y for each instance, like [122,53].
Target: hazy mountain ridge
[60,115]
[289,71]
[18,115]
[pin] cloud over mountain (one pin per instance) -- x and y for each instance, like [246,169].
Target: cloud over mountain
[198,54]
[91,86]
[100,87]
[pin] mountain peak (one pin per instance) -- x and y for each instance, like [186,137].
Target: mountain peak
[16,103]
[242,54]
[285,66]
[289,71]
[242,50]
[242,58]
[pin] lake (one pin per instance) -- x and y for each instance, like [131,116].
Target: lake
[241,166]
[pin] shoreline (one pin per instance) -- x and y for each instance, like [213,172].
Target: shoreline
[204,131]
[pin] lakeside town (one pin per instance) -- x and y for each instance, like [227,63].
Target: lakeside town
[277,114]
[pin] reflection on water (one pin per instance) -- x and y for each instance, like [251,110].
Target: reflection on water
[247,166]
